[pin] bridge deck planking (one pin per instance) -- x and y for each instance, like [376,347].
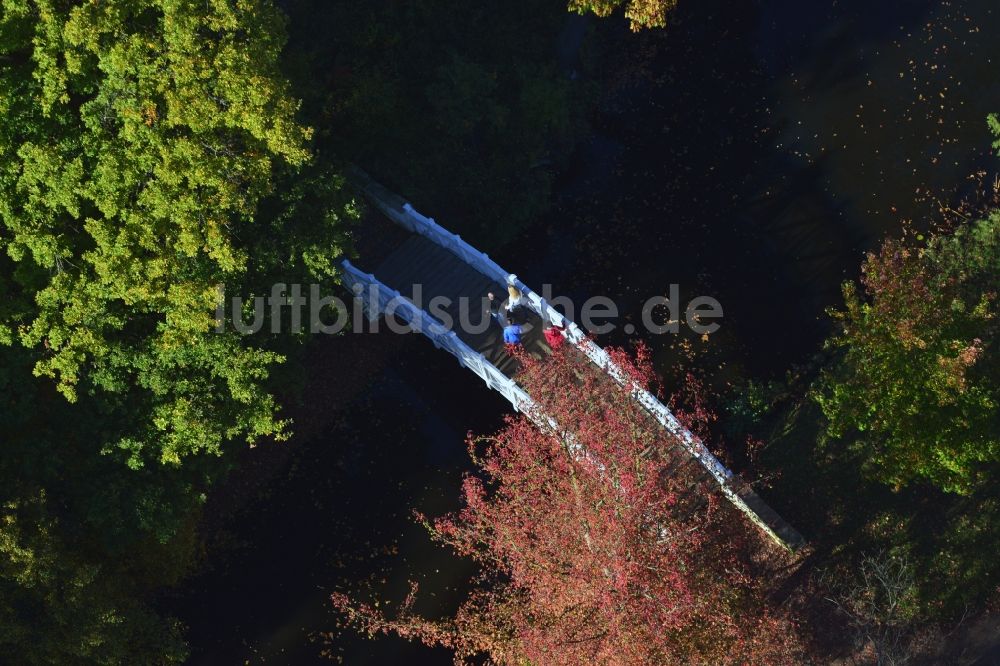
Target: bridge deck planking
[419,261]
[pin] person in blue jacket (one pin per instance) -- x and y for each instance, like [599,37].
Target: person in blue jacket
[512,334]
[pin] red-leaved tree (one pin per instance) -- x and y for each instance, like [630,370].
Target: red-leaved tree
[599,540]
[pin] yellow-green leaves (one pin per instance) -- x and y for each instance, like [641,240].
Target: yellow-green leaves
[140,137]
[640,13]
[917,388]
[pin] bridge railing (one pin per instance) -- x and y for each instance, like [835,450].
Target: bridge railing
[409,218]
[426,226]
[379,299]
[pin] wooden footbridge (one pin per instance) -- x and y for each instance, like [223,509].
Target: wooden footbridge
[437,284]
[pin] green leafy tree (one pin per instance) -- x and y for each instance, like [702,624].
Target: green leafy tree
[917,388]
[84,541]
[640,13]
[139,139]
[150,152]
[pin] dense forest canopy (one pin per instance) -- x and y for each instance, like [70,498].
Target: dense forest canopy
[141,139]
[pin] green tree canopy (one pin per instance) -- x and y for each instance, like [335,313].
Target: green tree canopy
[640,13]
[83,540]
[917,388]
[138,140]
[147,156]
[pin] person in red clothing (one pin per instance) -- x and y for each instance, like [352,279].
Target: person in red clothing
[554,335]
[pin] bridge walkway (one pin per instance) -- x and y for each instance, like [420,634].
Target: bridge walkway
[421,270]
[444,265]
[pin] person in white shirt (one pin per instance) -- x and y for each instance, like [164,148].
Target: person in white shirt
[516,299]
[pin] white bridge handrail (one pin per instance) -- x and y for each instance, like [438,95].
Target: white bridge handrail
[414,221]
[408,217]
[426,226]
[379,299]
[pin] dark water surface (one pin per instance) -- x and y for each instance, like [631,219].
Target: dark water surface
[340,510]
[758,152]
[750,153]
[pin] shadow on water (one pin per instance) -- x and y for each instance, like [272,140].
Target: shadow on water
[340,513]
